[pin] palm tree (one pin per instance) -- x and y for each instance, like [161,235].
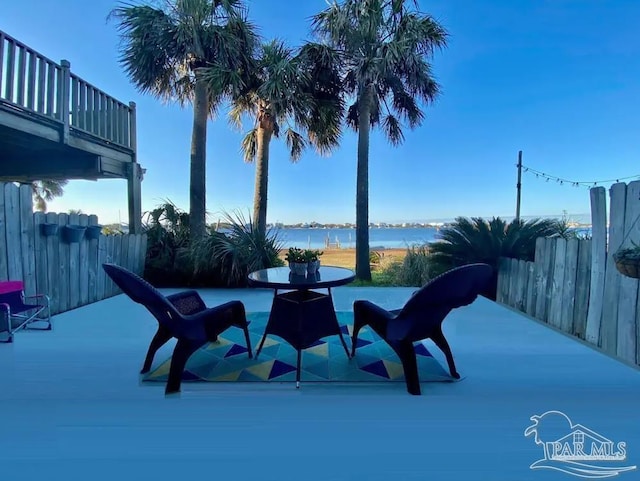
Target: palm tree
[467,241]
[44,191]
[385,47]
[298,92]
[164,52]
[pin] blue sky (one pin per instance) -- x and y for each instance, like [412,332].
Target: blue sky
[557,79]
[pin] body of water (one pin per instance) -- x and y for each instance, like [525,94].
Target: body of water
[379,238]
[346,238]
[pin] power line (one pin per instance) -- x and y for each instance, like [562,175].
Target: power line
[574,183]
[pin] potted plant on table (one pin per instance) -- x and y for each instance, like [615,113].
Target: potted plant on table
[628,261]
[313,260]
[297,261]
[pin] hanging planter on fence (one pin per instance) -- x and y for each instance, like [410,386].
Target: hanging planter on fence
[73,233]
[48,229]
[93,231]
[628,261]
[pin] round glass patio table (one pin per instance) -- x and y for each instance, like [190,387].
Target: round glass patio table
[302,316]
[282,278]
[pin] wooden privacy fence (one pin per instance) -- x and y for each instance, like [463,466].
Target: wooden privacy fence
[554,288]
[70,273]
[575,286]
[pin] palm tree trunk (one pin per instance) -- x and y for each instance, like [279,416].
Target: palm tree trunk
[262,179]
[363,269]
[198,188]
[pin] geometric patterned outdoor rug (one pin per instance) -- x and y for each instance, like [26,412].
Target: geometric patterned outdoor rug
[326,361]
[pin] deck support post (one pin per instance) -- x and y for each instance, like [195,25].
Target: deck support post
[64,99]
[134,189]
[134,177]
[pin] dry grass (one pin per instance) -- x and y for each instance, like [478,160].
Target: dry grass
[347,257]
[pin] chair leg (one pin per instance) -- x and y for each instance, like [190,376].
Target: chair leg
[181,354]
[159,339]
[246,336]
[264,337]
[407,356]
[440,341]
[298,367]
[357,325]
[344,344]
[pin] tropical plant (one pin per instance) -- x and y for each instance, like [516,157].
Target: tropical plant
[627,260]
[564,228]
[296,93]
[467,241]
[295,255]
[384,46]
[375,257]
[44,191]
[312,255]
[167,259]
[628,253]
[415,269]
[164,53]
[227,258]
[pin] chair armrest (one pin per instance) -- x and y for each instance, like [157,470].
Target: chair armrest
[368,308]
[193,325]
[38,296]
[209,311]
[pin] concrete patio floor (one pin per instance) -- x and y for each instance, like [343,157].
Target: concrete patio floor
[72,406]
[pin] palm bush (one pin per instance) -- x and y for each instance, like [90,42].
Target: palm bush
[226,258]
[414,270]
[467,241]
[167,258]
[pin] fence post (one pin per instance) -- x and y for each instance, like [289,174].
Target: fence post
[609,324]
[628,293]
[598,263]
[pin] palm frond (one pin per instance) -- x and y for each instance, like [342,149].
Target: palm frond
[296,144]
[44,191]
[250,145]
[385,47]
[393,130]
[161,50]
[150,53]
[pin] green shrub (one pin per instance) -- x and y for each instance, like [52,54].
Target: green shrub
[468,241]
[412,271]
[225,259]
[415,267]
[167,262]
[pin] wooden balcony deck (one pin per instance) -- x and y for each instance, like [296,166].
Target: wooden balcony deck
[55,125]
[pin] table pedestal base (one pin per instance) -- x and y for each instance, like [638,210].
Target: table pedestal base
[302,318]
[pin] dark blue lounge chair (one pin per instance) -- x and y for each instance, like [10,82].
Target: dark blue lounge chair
[422,316]
[183,316]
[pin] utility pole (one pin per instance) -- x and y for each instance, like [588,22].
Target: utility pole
[519,185]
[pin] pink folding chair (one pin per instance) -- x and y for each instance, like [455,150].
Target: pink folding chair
[18,311]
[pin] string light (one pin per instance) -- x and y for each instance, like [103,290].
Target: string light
[574,183]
